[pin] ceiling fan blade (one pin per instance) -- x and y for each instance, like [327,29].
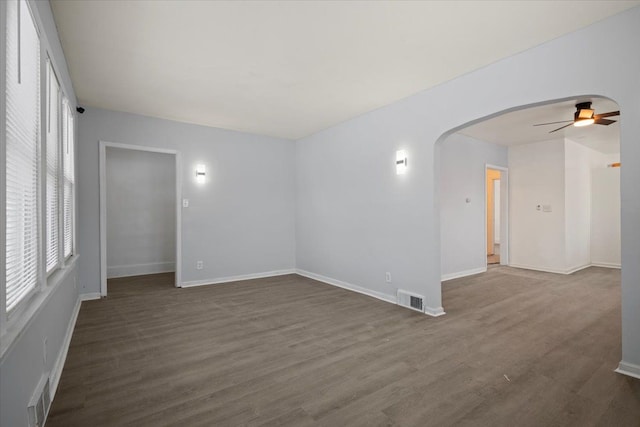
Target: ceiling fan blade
[566,126]
[609,114]
[553,123]
[605,122]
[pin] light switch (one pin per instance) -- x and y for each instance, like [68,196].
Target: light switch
[185,203]
[546,208]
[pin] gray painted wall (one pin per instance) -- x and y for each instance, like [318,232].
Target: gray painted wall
[577,203]
[141,212]
[241,221]
[357,219]
[462,224]
[556,173]
[537,177]
[605,216]
[22,366]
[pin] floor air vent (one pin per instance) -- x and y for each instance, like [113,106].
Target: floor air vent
[40,404]
[410,300]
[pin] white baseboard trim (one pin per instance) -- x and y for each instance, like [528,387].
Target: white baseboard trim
[90,296]
[434,312]
[550,270]
[228,279]
[348,286]
[606,265]
[465,273]
[531,267]
[629,369]
[578,268]
[140,269]
[56,371]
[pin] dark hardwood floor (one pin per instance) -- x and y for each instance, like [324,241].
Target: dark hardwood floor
[516,348]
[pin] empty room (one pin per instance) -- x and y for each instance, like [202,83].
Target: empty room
[356,213]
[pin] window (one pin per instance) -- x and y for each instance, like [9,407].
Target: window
[22,155]
[38,166]
[68,176]
[53,170]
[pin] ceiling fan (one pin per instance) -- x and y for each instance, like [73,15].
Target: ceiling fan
[585,116]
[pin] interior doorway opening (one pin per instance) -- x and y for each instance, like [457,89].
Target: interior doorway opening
[139,212]
[493,213]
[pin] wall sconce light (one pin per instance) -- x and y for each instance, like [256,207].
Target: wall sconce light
[201,174]
[401,162]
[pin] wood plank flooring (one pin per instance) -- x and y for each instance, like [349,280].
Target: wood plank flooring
[515,348]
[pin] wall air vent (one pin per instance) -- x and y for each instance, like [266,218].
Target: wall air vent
[40,403]
[411,300]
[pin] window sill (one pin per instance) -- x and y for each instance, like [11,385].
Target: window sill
[16,326]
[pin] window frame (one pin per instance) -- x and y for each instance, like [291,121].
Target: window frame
[71,140]
[49,67]
[14,321]
[3,163]
[23,304]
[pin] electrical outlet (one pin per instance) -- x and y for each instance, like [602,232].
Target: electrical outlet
[185,203]
[199,265]
[387,277]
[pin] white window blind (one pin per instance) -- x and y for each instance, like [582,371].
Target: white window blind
[68,175]
[22,139]
[53,170]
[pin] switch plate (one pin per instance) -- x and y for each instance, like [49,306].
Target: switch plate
[387,277]
[185,203]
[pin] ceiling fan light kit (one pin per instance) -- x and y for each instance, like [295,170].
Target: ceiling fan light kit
[585,116]
[583,122]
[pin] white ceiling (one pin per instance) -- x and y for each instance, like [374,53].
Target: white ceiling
[290,69]
[517,128]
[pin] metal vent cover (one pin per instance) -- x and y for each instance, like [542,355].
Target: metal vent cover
[38,408]
[411,300]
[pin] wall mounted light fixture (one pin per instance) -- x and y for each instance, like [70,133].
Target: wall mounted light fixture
[201,174]
[401,162]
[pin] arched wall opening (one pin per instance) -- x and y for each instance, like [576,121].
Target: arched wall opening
[394,220]
[473,155]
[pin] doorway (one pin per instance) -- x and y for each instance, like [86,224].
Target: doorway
[496,215]
[139,212]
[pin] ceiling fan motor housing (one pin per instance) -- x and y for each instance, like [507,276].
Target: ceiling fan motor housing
[583,111]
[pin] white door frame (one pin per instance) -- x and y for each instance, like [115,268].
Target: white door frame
[103,207]
[504,213]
